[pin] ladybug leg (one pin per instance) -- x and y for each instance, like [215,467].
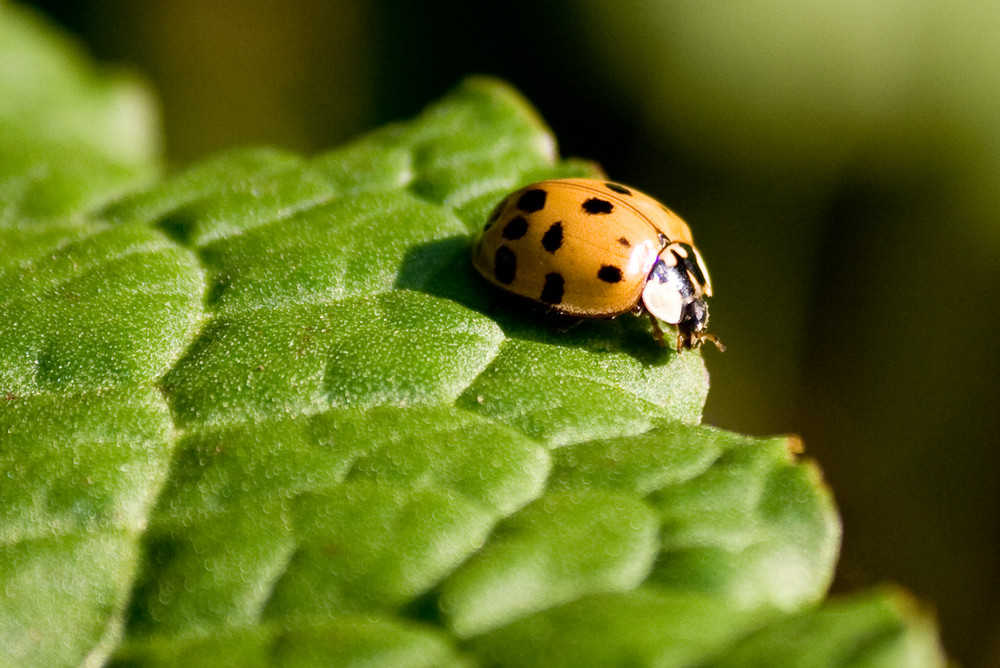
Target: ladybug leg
[657,332]
[714,340]
[568,323]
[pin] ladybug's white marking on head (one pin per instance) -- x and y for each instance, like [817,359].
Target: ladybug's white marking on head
[663,301]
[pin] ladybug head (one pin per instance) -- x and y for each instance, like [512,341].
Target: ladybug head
[674,293]
[691,329]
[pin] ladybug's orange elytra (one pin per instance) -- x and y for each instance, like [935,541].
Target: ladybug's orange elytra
[596,249]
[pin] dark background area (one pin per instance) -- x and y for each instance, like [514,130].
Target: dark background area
[839,164]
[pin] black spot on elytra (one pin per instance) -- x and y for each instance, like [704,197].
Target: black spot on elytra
[515,229]
[624,242]
[596,205]
[621,190]
[609,274]
[505,265]
[552,292]
[552,239]
[532,201]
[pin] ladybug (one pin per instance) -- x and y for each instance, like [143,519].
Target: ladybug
[589,248]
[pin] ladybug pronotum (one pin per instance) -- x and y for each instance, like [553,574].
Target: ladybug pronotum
[596,249]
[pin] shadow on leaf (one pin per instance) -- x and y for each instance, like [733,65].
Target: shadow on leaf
[442,268]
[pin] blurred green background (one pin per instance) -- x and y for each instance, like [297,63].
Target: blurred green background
[839,164]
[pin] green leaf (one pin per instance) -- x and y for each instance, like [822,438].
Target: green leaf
[263,412]
[646,626]
[656,627]
[880,628]
[72,134]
